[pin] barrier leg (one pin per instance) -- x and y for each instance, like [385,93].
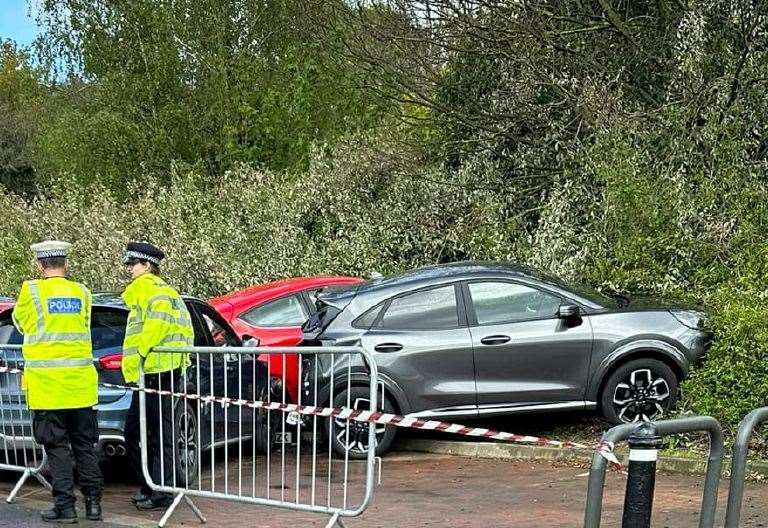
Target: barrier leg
[19,484]
[335,521]
[175,504]
[194,508]
[41,480]
[644,445]
[170,510]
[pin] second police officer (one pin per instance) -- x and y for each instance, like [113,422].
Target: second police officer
[158,317]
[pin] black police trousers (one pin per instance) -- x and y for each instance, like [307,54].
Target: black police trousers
[157,412]
[58,431]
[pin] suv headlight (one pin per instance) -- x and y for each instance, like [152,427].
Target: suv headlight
[690,318]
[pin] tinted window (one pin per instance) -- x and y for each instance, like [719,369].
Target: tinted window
[502,302]
[368,318]
[286,311]
[423,310]
[8,333]
[107,328]
[199,326]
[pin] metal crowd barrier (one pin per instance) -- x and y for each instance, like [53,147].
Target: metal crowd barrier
[18,450]
[234,440]
[739,464]
[594,507]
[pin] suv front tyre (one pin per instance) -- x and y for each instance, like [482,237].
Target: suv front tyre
[639,390]
[354,439]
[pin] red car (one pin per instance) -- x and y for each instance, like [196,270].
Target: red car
[273,313]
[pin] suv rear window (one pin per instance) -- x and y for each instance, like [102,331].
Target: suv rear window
[8,333]
[285,311]
[366,320]
[108,327]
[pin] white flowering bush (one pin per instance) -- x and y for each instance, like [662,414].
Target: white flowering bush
[362,207]
[637,212]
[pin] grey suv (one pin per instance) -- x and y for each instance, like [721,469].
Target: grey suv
[470,340]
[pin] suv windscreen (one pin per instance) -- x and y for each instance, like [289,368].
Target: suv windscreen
[220,334]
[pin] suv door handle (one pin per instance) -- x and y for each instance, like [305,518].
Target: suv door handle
[388,347]
[495,340]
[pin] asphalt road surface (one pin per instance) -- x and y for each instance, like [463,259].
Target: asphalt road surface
[23,517]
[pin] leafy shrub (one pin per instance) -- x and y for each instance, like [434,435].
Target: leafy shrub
[732,380]
[637,215]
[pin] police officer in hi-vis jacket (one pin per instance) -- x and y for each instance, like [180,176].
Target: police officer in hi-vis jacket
[158,317]
[54,315]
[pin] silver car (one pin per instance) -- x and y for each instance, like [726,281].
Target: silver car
[472,339]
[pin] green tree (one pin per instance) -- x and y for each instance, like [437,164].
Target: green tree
[207,82]
[21,96]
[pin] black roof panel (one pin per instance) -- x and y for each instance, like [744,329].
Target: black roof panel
[453,269]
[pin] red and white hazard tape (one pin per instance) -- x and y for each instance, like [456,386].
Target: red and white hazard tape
[605,449]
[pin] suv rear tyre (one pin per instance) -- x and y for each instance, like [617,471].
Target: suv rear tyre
[639,390]
[186,445]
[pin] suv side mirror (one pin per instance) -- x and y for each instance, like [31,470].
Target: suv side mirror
[569,313]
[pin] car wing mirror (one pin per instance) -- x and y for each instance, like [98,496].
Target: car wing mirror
[570,314]
[568,311]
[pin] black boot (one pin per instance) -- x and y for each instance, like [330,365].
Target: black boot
[140,496]
[93,508]
[66,515]
[158,501]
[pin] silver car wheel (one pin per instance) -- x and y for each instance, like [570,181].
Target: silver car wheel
[357,442]
[642,396]
[186,444]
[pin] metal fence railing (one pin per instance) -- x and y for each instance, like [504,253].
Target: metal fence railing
[594,503]
[264,426]
[18,450]
[739,464]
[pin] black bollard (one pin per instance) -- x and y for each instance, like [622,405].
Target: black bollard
[644,445]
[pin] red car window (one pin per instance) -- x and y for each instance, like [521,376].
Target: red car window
[286,311]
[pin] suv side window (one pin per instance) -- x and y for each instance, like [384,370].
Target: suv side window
[506,302]
[108,328]
[433,309]
[285,311]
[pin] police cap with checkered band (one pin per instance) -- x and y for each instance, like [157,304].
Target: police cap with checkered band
[142,251]
[50,249]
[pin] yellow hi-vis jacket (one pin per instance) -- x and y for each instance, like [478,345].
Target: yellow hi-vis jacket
[54,315]
[158,318]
